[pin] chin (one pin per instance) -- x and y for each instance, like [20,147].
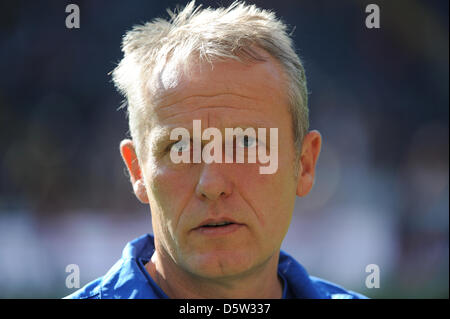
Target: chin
[220,264]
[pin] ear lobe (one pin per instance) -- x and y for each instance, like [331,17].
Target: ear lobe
[129,156]
[140,191]
[305,184]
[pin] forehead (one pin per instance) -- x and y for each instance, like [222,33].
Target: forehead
[178,76]
[224,94]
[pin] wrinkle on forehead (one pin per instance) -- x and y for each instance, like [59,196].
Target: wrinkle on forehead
[199,97]
[202,112]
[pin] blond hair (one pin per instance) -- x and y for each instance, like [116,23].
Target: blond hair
[208,34]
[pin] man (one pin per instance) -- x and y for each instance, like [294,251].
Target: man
[218,220]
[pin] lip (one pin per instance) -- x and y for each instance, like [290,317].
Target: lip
[219,230]
[217,221]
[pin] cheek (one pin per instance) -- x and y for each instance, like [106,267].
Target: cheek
[169,192]
[272,196]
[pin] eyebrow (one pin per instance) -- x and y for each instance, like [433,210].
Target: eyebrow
[158,138]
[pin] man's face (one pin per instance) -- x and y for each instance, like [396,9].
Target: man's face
[184,196]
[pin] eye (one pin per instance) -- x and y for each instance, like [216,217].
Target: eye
[181,146]
[246,141]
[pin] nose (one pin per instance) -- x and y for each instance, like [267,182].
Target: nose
[213,183]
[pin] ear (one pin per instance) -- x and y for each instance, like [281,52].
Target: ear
[128,153]
[311,146]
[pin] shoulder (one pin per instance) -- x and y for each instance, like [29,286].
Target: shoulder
[89,291]
[331,290]
[127,278]
[303,285]
[93,290]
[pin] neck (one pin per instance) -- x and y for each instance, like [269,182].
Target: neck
[261,282]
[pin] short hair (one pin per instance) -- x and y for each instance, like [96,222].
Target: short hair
[208,35]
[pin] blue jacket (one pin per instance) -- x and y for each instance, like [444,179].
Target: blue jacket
[128,278]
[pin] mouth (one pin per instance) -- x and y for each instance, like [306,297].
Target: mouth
[217,227]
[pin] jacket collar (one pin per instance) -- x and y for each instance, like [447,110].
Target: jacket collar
[128,278]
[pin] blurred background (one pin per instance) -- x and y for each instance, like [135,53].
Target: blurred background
[378,96]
